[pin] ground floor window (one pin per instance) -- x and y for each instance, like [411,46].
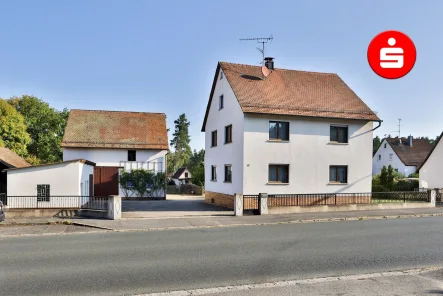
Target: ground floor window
[228,173]
[338,174]
[43,192]
[213,173]
[278,173]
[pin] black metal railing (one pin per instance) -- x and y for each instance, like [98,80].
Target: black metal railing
[250,202]
[402,197]
[56,202]
[282,200]
[285,200]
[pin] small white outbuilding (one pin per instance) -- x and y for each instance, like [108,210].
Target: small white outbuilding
[47,182]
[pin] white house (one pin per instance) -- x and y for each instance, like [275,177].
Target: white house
[116,140]
[405,155]
[284,131]
[50,184]
[431,171]
[182,176]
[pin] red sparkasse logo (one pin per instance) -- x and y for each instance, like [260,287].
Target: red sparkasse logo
[391,54]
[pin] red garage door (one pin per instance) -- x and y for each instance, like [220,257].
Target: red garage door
[105,181]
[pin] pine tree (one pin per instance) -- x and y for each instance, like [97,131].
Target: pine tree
[384,177]
[180,143]
[390,178]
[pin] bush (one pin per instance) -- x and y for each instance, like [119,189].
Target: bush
[413,175]
[378,188]
[407,185]
[171,182]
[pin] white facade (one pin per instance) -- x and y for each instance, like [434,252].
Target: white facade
[186,174]
[224,154]
[64,179]
[308,152]
[431,173]
[386,156]
[147,159]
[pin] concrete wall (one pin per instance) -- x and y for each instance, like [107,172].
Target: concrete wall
[387,160]
[308,153]
[431,173]
[113,157]
[224,153]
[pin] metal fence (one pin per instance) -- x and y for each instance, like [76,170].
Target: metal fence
[252,202]
[55,202]
[403,197]
[282,200]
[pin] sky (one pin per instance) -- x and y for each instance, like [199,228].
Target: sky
[160,56]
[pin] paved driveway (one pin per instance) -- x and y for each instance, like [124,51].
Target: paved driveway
[173,206]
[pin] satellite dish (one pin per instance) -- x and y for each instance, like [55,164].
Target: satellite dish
[265,71]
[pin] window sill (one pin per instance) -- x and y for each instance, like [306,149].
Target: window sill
[337,143]
[213,146]
[213,180]
[278,141]
[277,183]
[228,143]
[337,184]
[227,182]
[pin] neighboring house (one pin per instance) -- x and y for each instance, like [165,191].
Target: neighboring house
[431,171]
[8,160]
[116,140]
[50,183]
[284,131]
[405,155]
[182,176]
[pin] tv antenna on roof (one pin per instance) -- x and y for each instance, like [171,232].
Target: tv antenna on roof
[262,41]
[399,125]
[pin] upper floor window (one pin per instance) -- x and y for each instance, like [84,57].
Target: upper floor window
[385,145]
[339,134]
[214,139]
[228,173]
[379,157]
[390,156]
[186,175]
[221,75]
[279,130]
[213,173]
[43,192]
[338,174]
[278,173]
[228,134]
[221,102]
[132,155]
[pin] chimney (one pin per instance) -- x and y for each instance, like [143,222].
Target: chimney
[269,63]
[410,138]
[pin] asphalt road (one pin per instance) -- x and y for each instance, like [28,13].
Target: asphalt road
[140,262]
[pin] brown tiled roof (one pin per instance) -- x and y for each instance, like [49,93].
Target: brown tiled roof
[115,129]
[11,159]
[292,92]
[415,155]
[432,150]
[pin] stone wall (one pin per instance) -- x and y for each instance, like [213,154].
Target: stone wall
[219,199]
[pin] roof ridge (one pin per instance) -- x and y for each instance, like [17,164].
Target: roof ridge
[117,111]
[284,69]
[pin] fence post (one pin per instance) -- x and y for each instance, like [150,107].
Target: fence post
[263,202]
[238,204]
[404,197]
[114,207]
[432,196]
